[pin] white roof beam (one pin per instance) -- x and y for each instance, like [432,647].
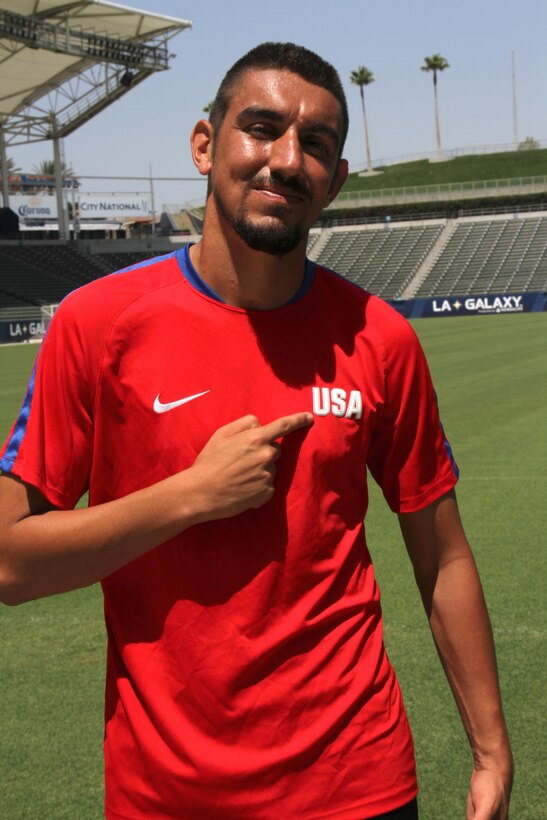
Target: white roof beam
[39,34]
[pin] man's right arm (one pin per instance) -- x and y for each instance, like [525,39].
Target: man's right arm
[44,551]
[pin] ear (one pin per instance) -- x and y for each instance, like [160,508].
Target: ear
[201,146]
[340,176]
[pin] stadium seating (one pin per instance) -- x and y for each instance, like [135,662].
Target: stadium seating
[491,257]
[431,259]
[45,273]
[312,241]
[380,260]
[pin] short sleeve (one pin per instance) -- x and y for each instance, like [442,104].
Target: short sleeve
[409,456]
[50,445]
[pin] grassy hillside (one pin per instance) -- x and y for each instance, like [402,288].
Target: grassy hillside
[461,169]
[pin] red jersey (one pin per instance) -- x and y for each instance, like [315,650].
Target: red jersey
[247,676]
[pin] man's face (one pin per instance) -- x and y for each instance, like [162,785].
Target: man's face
[275,159]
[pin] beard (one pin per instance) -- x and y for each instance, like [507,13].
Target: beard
[270,235]
[274,237]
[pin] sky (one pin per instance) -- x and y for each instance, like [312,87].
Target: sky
[149,127]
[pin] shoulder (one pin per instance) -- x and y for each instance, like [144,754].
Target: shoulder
[381,322]
[83,324]
[96,305]
[123,286]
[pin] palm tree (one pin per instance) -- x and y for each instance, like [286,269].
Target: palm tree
[436,63]
[12,167]
[11,170]
[46,168]
[207,108]
[362,77]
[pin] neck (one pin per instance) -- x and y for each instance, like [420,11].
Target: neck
[241,276]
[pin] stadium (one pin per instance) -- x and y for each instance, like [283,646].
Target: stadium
[464,241]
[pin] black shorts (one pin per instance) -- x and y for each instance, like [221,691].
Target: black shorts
[407,812]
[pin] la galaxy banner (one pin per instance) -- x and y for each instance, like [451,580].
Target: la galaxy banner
[472,305]
[23,330]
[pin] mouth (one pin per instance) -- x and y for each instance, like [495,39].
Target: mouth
[280,194]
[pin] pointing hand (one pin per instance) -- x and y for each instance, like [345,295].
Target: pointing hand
[235,470]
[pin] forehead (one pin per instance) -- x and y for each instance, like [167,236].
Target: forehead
[287,94]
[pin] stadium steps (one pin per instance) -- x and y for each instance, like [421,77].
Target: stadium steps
[492,256]
[489,257]
[42,274]
[381,260]
[457,254]
[112,262]
[531,270]
[12,300]
[428,262]
[397,284]
[316,243]
[178,222]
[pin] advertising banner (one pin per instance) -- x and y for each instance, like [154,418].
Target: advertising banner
[93,206]
[22,330]
[30,206]
[89,206]
[476,305]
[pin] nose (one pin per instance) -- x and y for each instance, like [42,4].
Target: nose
[286,154]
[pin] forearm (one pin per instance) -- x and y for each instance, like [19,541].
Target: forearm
[451,591]
[56,551]
[45,551]
[463,636]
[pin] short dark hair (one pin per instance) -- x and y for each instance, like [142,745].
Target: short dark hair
[290,57]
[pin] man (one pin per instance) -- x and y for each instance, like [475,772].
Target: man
[222,404]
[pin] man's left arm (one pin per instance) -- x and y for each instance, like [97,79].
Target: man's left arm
[452,595]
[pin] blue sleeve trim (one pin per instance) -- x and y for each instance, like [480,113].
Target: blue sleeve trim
[144,264]
[447,446]
[18,434]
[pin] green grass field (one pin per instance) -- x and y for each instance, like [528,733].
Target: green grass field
[490,374]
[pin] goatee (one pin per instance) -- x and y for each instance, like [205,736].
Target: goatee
[270,235]
[274,237]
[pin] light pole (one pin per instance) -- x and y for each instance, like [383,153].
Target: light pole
[515,128]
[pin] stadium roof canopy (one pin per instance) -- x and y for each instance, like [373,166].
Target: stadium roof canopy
[61,63]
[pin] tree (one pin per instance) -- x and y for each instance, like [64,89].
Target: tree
[436,63]
[46,168]
[529,144]
[207,108]
[45,171]
[12,167]
[12,170]
[362,77]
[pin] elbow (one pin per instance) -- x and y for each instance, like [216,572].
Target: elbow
[11,597]
[12,594]
[13,591]
[8,600]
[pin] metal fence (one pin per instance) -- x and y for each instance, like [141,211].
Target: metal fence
[442,188]
[499,148]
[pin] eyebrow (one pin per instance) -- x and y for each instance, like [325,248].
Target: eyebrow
[317,127]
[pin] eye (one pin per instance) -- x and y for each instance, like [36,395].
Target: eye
[317,147]
[261,129]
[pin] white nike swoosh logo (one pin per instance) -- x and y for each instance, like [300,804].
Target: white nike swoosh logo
[159,407]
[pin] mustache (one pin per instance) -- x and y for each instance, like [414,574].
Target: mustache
[291,184]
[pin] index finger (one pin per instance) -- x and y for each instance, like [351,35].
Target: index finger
[285,425]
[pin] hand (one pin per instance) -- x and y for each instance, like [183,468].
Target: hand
[488,797]
[236,468]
